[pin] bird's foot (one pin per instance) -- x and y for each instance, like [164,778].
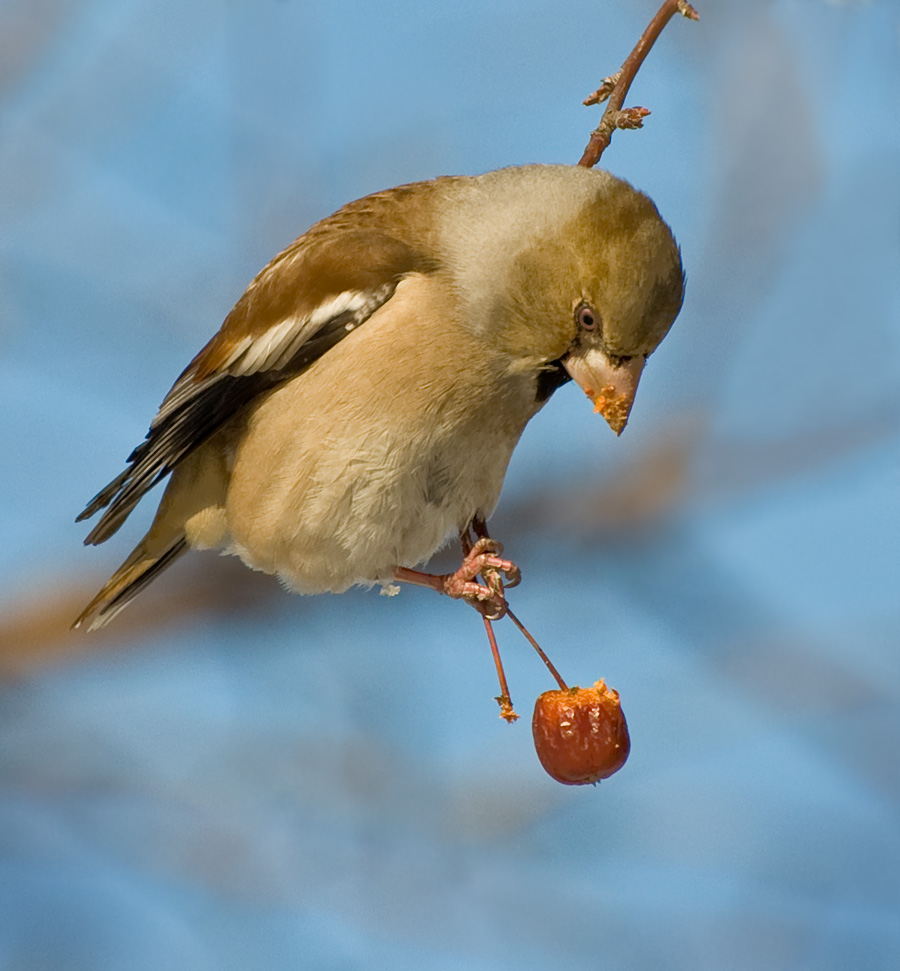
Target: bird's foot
[483,558]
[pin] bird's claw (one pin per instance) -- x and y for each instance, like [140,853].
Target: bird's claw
[486,601]
[483,559]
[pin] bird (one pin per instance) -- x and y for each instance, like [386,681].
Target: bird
[360,404]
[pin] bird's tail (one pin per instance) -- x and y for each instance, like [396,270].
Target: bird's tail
[126,583]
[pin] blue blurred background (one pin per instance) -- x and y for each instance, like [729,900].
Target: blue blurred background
[231,777]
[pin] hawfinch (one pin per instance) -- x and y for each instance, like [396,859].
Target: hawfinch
[361,402]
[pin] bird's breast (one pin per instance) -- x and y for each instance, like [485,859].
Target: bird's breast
[378,453]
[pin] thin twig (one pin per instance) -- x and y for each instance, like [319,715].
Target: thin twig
[562,684]
[616,86]
[503,699]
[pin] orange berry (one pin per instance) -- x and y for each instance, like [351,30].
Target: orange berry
[580,733]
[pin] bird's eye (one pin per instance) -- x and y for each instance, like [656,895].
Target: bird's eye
[586,317]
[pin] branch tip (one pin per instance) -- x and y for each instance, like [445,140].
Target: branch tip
[615,87]
[607,86]
[631,117]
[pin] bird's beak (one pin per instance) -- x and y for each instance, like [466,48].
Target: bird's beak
[609,385]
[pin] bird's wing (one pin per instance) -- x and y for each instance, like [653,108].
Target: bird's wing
[305,301]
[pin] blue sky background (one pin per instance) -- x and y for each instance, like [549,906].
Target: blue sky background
[232,777]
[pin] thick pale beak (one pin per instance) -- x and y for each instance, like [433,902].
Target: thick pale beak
[610,386]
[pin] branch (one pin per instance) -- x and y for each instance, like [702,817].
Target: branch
[616,86]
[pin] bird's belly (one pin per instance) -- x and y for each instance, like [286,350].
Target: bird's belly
[339,500]
[354,513]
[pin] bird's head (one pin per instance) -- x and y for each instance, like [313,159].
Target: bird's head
[592,291]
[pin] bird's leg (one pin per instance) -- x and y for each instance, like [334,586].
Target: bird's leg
[462,585]
[489,573]
[480,557]
[494,583]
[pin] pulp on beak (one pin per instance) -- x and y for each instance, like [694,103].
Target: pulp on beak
[609,385]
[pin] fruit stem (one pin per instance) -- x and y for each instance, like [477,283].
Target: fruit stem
[504,700]
[562,684]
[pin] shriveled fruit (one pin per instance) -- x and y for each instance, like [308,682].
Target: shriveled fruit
[580,733]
